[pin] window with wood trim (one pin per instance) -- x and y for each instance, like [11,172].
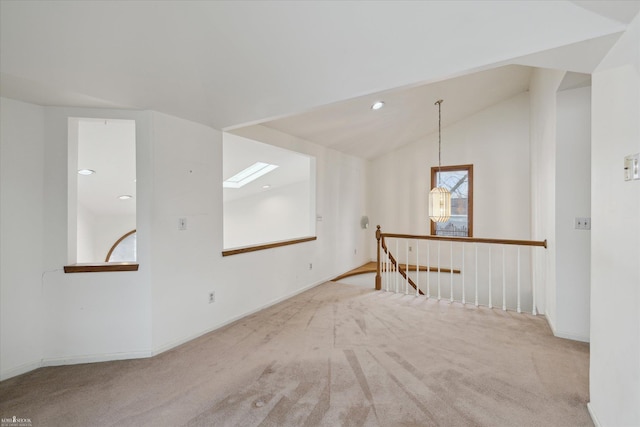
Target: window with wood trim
[459,181]
[124,249]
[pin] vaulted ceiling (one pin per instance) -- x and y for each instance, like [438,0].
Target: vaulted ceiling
[408,114]
[309,68]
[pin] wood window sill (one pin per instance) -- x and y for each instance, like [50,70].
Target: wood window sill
[99,267]
[254,248]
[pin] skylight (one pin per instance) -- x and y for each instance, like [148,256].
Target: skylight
[251,173]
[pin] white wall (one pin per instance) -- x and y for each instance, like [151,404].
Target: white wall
[495,141]
[62,318]
[21,227]
[573,199]
[84,317]
[187,265]
[560,191]
[615,237]
[85,247]
[275,214]
[92,316]
[542,88]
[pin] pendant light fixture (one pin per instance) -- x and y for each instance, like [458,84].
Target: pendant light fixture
[439,197]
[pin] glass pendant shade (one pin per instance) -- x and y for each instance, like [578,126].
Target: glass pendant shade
[439,204]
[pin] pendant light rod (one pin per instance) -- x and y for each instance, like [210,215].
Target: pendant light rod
[439,197]
[439,104]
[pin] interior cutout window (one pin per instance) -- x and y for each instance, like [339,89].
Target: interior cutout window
[268,193]
[104,176]
[459,181]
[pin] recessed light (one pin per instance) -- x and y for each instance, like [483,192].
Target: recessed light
[266,186]
[86,172]
[377,105]
[125,197]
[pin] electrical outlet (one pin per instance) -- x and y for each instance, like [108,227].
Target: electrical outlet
[182,224]
[310,266]
[582,223]
[410,248]
[212,297]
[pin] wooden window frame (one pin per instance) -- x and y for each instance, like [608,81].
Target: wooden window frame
[115,245]
[469,169]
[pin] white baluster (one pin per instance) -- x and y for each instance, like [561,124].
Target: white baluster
[406,268]
[476,246]
[504,284]
[490,275]
[386,272]
[518,305]
[451,273]
[397,264]
[428,271]
[382,270]
[533,295]
[438,270]
[389,273]
[464,301]
[417,268]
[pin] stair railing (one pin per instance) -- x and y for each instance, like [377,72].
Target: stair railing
[488,269]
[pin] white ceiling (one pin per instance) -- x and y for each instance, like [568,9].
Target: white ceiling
[618,10]
[228,64]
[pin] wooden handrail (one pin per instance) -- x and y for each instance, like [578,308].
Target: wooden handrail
[542,243]
[253,248]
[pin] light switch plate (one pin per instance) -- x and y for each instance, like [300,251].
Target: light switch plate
[632,167]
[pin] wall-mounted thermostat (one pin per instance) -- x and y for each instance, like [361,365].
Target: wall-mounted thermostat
[632,167]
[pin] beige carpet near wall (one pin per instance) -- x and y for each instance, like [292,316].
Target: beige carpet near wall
[336,355]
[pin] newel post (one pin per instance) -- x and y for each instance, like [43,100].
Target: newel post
[378,277]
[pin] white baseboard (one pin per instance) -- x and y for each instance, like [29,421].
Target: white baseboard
[19,370]
[593,415]
[566,335]
[169,346]
[570,336]
[552,326]
[93,358]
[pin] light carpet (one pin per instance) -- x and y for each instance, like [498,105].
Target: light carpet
[336,355]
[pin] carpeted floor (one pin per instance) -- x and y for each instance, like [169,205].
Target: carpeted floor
[336,355]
